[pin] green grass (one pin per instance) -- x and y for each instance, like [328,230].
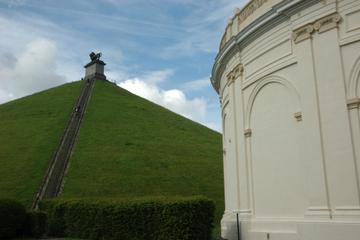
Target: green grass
[30,130]
[129,147]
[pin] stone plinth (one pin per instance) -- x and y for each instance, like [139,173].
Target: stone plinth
[95,69]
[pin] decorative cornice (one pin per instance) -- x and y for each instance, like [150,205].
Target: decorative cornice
[236,72]
[321,25]
[327,23]
[268,20]
[95,62]
[247,132]
[241,16]
[302,33]
[353,103]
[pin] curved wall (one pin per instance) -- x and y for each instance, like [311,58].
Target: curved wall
[289,88]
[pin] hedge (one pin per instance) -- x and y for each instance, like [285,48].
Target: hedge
[16,222]
[35,224]
[156,218]
[12,218]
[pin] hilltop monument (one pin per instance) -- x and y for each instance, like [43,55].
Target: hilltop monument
[287,74]
[95,68]
[53,179]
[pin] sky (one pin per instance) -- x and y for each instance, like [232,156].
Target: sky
[161,50]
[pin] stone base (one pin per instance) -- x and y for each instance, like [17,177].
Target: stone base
[96,75]
[289,229]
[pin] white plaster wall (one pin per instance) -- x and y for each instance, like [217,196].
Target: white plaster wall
[292,129]
[276,155]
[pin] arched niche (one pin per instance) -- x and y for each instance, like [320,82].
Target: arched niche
[295,97]
[225,124]
[353,104]
[353,87]
[275,149]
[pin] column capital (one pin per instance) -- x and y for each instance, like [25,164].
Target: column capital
[321,25]
[302,33]
[327,23]
[236,72]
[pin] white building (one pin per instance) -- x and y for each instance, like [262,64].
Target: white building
[287,74]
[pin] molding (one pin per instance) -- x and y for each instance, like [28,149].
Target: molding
[321,25]
[254,30]
[247,132]
[275,66]
[353,103]
[236,72]
[322,212]
[100,62]
[271,80]
[349,39]
[244,211]
[347,212]
[302,33]
[241,16]
[298,116]
[327,23]
[347,208]
[354,80]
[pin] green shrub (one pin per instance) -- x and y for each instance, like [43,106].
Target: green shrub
[55,217]
[12,218]
[157,218]
[35,224]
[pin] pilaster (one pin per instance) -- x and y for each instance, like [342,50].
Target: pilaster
[245,209]
[340,160]
[314,157]
[232,138]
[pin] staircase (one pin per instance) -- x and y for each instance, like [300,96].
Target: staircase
[55,173]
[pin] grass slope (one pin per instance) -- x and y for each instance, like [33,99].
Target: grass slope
[130,147]
[30,130]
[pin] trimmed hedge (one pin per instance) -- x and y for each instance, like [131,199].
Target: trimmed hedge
[16,222]
[35,224]
[157,218]
[12,218]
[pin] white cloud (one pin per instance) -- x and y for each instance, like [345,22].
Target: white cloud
[154,77]
[173,99]
[33,70]
[197,85]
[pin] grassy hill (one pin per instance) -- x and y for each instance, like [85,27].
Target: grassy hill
[30,129]
[127,147]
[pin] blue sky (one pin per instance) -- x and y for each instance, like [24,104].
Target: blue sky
[162,50]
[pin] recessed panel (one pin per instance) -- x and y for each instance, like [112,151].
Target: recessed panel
[276,157]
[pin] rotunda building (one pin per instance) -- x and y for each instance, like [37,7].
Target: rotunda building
[287,74]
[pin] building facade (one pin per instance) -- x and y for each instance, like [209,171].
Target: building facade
[287,74]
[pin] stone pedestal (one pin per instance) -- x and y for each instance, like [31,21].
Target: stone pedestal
[95,69]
